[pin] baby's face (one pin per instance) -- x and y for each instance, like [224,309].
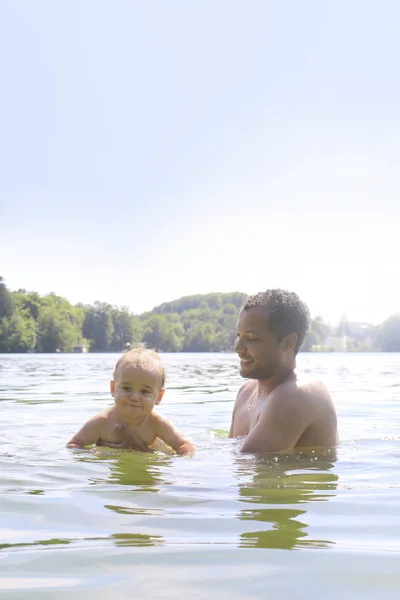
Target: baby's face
[136,390]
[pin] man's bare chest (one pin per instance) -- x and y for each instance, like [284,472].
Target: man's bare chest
[247,414]
[241,423]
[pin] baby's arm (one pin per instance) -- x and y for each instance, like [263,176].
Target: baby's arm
[173,437]
[89,434]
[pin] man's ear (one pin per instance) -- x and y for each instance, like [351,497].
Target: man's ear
[159,397]
[112,387]
[290,341]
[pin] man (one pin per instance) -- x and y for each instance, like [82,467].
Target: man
[273,410]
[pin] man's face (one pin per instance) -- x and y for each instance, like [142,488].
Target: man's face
[259,351]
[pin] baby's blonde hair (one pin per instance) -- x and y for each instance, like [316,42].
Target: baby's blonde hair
[142,357]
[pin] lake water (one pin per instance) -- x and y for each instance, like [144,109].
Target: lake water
[220,525]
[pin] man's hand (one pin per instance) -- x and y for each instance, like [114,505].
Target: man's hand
[131,441]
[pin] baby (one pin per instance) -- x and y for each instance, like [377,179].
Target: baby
[138,385]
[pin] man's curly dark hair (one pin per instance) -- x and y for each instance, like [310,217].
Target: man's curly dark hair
[287,313]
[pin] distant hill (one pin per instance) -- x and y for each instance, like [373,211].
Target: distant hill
[30,322]
[199,323]
[213,300]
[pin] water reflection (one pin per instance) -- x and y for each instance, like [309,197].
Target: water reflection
[142,471]
[137,539]
[273,491]
[132,476]
[50,542]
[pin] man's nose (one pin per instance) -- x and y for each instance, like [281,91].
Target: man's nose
[237,345]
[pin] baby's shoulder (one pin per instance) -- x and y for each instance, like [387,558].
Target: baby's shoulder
[155,418]
[159,422]
[105,415]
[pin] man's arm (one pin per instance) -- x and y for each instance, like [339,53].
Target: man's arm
[282,421]
[241,398]
[89,434]
[233,420]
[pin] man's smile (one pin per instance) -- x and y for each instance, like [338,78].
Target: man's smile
[245,361]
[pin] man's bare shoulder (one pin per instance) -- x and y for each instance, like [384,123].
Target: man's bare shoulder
[246,389]
[301,391]
[313,389]
[313,407]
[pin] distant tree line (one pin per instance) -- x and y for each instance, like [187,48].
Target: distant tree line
[30,322]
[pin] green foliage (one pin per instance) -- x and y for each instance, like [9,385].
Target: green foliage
[30,301]
[59,325]
[108,328]
[163,332]
[215,300]
[98,326]
[200,323]
[17,332]
[126,329]
[6,301]
[388,334]
[316,335]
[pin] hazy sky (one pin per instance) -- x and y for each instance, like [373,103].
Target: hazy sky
[154,149]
